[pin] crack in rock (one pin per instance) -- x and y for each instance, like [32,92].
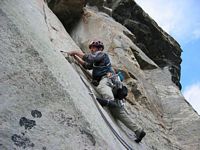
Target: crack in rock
[89,135]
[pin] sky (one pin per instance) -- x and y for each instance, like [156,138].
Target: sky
[181,19]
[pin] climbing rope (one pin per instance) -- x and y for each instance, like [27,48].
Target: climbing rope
[121,140]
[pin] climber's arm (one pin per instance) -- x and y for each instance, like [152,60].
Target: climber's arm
[106,102]
[85,64]
[80,54]
[80,60]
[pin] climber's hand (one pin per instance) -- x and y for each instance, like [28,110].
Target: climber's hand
[68,53]
[79,60]
[75,53]
[71,53]
[65,54]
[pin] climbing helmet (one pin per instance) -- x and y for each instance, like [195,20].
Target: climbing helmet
[97,44]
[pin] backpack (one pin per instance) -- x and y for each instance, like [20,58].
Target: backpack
[120,93]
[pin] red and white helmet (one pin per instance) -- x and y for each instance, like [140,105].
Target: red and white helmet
[97,44]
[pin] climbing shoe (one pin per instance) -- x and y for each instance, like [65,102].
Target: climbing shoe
[140,136]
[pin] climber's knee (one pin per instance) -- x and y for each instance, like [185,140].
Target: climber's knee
[104,89]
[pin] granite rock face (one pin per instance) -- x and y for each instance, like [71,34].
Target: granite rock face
[45,105]
[150,38]
[69,12]
[155,102]
[43,102]
[98,3]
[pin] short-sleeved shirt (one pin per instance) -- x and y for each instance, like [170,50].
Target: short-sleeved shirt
[99,62]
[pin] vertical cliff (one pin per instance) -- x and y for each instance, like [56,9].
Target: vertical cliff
[150,38]
[43,102]
[45,105]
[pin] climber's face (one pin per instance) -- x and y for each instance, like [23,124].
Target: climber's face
[93,49]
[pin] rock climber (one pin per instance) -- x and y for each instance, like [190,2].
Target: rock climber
[111,90]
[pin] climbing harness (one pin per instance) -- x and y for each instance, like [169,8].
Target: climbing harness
[121,140]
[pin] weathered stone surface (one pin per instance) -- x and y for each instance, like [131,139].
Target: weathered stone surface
[110,3]
[45,105]
[115,38]
[149,92]
[69,12]
[43,102]
[179,117]
[98,3]
[151,39]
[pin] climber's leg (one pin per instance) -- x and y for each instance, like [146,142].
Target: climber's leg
[121,114]
[105,90]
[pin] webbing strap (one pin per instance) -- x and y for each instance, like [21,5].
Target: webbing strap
[121,140]
[101,66]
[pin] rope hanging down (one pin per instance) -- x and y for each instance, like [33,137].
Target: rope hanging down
[121,140]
